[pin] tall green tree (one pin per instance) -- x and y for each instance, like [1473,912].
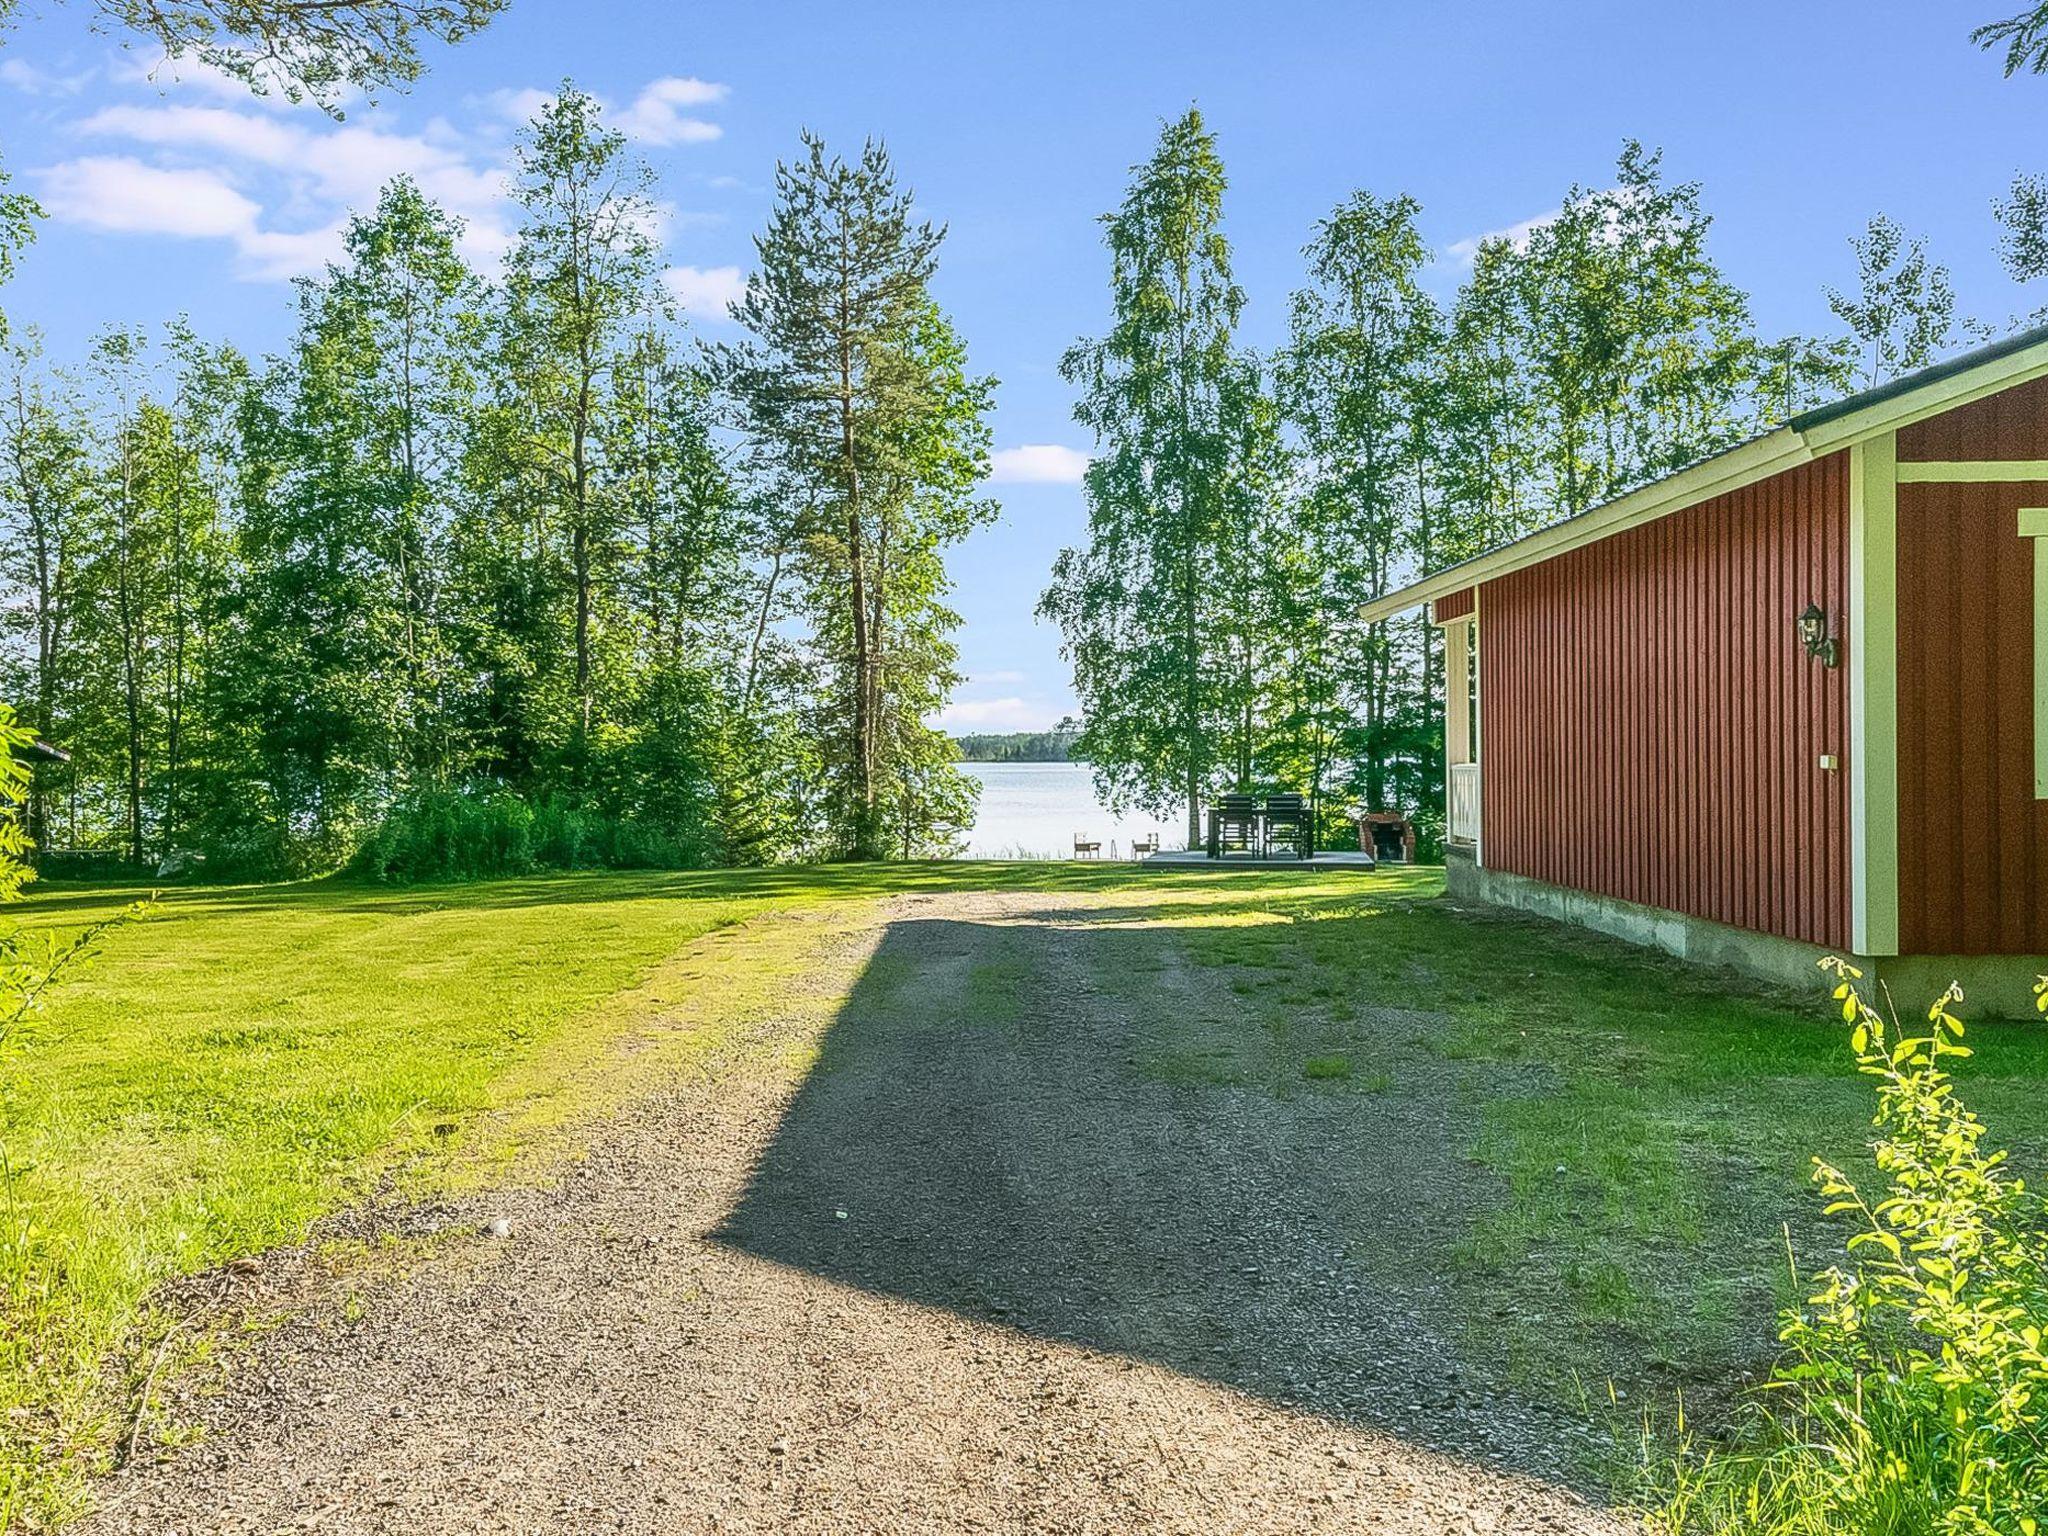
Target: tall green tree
[855,388]
[1903,311]
[1488,426]
[1359,354]
[1641,352]
[124,586]
[46,495]
[412,312]
[342,673]
[1250,684]
[1136,605]
[579,283]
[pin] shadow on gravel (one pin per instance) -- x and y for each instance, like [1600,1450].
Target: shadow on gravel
[996,1125]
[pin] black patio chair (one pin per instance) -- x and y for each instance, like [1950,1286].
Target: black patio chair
[1287,827]
[1233,825]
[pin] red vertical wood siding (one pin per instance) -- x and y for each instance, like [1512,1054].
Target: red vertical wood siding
[1973,840]
[2012,424]
[1458,605]
[1650,728]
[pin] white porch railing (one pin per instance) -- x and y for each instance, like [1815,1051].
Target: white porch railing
[1464,807]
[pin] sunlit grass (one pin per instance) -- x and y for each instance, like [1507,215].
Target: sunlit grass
[252,1058]
[1648,1127]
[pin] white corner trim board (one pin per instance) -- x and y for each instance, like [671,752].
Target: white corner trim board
[2034,525]
[1873,695]
[1973,472]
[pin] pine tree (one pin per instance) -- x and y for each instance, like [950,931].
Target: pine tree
[855,391]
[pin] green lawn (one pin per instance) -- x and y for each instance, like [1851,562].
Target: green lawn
[1654,1126]
[251,1058]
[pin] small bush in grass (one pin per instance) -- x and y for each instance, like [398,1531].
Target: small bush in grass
[464,834]
[451,834]
[1912,1394]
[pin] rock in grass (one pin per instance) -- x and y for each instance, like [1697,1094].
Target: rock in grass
[498,1226]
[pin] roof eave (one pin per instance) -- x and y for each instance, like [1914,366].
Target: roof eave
[1808,436]
[1753,460]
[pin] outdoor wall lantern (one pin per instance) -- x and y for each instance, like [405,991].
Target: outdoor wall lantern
[1813,634]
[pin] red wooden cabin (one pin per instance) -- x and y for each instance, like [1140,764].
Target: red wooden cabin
[1790,701]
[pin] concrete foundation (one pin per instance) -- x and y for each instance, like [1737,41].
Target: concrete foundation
[1994,986]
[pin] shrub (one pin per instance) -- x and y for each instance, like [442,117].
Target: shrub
[1912,1393]
[450,835]
[467,834]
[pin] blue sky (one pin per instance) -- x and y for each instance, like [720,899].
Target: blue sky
[1016,125]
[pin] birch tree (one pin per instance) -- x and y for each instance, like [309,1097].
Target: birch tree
[1359,347]
[579,282]
[1136,605]
[1903,310]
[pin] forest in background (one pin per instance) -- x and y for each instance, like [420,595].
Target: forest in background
[491,571]
[485,573]
[1243,505]
[1054,746]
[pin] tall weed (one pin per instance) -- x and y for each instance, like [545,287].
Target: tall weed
[468,834]
[1911,1397]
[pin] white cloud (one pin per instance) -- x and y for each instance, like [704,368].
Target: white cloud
[519,106]
[278,256]
[704,292]
[1038,464]
[1010,714]
[1615,200]
[126,196]
[28,79]
[1516,235]
[655,117]
[331,169]
[173,75]
[114,192]
[280,184]
[239,133]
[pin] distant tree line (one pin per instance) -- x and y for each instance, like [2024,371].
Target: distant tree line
[1243,506]
[1054,746]
[482,571]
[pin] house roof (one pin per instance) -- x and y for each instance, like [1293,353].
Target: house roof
[1805,437]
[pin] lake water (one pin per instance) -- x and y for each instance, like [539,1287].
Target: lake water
[1035,810]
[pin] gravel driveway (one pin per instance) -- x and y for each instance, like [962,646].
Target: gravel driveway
[975,1267]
